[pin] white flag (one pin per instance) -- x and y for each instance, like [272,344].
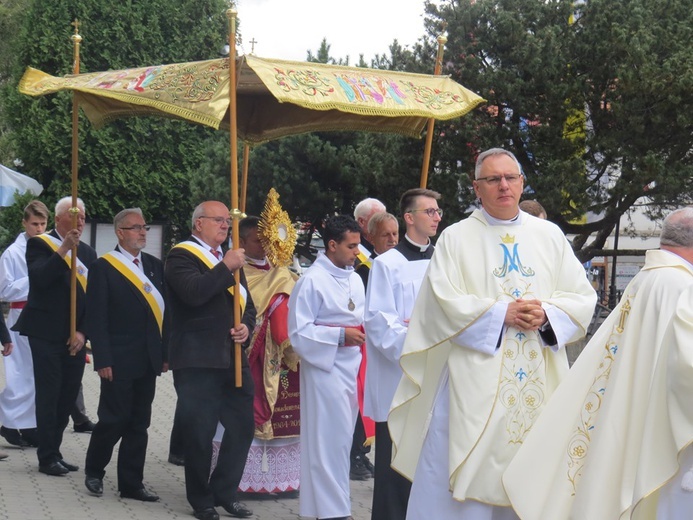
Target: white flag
[12,182]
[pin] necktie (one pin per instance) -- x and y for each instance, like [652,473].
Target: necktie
[136,261]
[216,253]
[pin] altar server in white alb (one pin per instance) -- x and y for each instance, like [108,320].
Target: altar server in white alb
[326,331]
[17,408]
[503,295]
[616,439]
[394,283]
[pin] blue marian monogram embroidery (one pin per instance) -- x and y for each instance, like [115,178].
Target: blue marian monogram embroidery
[511,262]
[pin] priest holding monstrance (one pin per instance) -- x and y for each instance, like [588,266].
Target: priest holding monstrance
[503,295]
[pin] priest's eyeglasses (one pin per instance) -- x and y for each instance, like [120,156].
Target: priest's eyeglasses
[219,220]
[495,180]
[137,228]
[429,211]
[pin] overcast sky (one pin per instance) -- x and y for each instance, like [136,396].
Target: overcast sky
[287,29]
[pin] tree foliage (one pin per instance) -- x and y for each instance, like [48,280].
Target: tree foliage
[145,162]
[598,111]
[593,98]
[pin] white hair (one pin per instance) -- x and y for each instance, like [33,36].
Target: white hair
[65,204]
[491,152]
[118,219]
[368,206]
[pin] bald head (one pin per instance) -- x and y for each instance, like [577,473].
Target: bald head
[211,222]
[677,233]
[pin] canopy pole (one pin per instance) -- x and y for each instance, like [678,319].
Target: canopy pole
[231,14]
[74,210]
[244,181]
[442,40]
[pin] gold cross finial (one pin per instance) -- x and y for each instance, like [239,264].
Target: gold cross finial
[76,25]
[252,45]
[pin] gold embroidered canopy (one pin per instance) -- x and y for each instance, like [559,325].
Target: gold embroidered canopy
[275,98]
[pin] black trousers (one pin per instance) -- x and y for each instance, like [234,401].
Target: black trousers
[206,397]
[79,410]
[57,377]
[357,444]
[176,444]
[125,411]
[390,489]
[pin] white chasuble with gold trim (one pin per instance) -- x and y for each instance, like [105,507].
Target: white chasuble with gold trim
[604,443]
[494,399]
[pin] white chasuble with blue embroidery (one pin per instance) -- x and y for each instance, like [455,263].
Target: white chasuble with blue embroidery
[495,394]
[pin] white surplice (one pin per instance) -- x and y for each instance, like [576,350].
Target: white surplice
[17,399]
[318,309]
[393,285]
[495,394]
[607,441]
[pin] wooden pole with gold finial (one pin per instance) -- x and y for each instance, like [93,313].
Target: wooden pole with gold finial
[74,210]
[236,214]
[244,180]
[442,40]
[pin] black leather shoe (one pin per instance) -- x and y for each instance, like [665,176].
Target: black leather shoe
[70,467]
[208,513]
[13,437]
[140,494]
[237,509]
[358,470]
[94,485]
[30,436]
[54,469]
[85,427]
[178,460]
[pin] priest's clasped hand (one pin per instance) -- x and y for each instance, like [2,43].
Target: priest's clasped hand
[525,314]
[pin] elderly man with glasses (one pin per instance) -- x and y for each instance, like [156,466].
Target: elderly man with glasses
[126,326]
[200,288]
[502,296]
[57,355]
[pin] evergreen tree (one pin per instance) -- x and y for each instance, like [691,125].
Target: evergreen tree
[594,99]
[145,162]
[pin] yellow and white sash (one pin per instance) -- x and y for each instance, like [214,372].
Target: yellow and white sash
[210,261]
[54,244]
[143,284]
[364,256]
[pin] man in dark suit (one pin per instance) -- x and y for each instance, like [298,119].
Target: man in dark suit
[125,322]
[200,286]
[58,358]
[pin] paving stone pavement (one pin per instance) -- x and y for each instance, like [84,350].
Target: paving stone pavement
[26,494]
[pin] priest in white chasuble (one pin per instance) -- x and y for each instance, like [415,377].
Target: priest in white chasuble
[326,331]
[611,442]
[503,295]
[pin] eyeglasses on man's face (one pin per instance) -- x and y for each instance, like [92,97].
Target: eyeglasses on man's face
[431,212]
[219,220]
[495,180]
[137,228]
